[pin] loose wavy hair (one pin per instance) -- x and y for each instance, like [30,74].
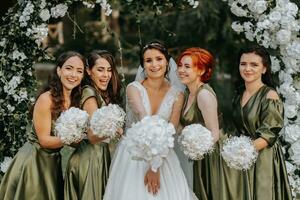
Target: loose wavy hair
[54,85]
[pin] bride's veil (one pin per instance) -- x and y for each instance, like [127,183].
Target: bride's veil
[172,75]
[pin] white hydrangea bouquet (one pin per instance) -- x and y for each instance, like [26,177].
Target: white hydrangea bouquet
[239,152]
[150,139]
[71,125]
[106,120]
[196,141]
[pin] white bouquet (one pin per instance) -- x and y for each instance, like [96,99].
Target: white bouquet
[239,152]
[71,125]
[106,120]
[150,139]
[195,141]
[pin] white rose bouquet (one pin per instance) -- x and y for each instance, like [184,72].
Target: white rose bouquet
[71,125]
[106,120]
[196,141]
[239,152]
[150,139]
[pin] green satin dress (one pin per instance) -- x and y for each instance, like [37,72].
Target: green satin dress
[88,167]
[34,174]
[207,171]
[267,179]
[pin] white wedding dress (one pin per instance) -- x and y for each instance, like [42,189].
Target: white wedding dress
[126,178]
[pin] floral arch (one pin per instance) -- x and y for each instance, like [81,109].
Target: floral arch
[274,24]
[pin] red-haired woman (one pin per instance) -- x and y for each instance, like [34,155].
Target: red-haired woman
[195,67]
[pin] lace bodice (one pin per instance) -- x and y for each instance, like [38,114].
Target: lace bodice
[138,103]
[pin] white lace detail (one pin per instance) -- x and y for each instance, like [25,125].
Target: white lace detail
[164,110]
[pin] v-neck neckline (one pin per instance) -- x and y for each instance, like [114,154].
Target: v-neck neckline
[161,103]
[250,99]
[185,109]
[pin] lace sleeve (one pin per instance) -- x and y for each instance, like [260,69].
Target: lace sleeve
[135,102]
[207,103]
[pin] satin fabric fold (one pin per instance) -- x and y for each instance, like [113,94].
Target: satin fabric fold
[34,174]
[88,167]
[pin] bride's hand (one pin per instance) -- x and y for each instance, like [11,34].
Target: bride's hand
[152,181]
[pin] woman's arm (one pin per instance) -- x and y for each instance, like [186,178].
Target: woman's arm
[208,105]
[42,122]
[261,143]
[135,102]
[90,106]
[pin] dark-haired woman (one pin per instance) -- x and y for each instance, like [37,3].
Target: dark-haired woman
[131,179]
[88,166]
[258,114]
[35,172]
[195,68]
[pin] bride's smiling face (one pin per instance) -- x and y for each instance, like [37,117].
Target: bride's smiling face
[155,63]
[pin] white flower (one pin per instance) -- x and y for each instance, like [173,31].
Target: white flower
[239,152]
[106,120]
[88,5]
[193,3]
[259,7]
[293,49]
[105,6]
[71,125]
[16,55]
[10,108]
[45,14]
[290,168]
[275,64]
[292,9]
[195,141]
[12,85]
[43,4]
[275,16]
[39,33]
[297,83]
[249,36]
[237,27]
[25,16]
[290,111]
[5,164]
[283,36]
[295,148]
[23,94]
[285,77]
[238,11]
[150,139]
[59,10]
[248,26]
[291,133]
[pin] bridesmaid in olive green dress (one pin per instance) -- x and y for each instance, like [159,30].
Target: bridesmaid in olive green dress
[195,67]
[88,167]
[35,172]
[258,114]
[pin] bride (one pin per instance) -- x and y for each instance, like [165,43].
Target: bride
[154,95]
